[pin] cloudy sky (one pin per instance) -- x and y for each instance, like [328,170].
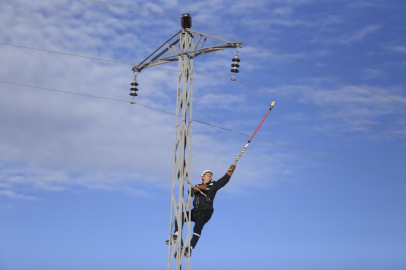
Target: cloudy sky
[85,182]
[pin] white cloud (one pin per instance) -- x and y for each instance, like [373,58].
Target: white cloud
[268,23]
[7,206]
[58,142]
[373,73]
[62,141]
[227,101]
[13,195]
[397,48]
[283,11]
[351,102]
[349,38]
[362,4]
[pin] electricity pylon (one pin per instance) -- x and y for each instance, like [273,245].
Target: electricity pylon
[185,53]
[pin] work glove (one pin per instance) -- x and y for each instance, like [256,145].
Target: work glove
[201,187]
[231,170]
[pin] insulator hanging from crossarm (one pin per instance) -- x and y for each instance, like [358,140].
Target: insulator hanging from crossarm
[134,89]
[235,64]
[236,59]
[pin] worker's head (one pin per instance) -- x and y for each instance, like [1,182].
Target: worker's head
[207,176]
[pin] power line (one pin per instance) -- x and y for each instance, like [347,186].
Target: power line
[265,50]
[226,78]
[102,59]
[307,152]
[303,65]
[325,110]
[68,54]
[219,127]
[63,91]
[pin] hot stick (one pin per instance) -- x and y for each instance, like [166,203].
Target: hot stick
[245,147]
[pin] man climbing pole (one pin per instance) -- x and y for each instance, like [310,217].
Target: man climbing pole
[202,211]
[204,196]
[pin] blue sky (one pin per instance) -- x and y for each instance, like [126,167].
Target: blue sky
[85,182]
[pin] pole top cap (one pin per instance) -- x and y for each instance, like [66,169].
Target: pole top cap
[186,21]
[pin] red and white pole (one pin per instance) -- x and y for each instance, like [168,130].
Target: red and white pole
[260,124]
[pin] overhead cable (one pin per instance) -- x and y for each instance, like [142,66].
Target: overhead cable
[225,78]
[216,126]
[68,54]
[303,65]
[306,152]
[63,91]
[324,110]
[265,50]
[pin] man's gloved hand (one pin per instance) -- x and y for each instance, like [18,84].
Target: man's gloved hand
[201,187]
[231,170]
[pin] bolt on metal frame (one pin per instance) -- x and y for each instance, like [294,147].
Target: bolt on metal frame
[181,200]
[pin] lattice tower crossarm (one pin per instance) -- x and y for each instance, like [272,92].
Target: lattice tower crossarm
[169,47]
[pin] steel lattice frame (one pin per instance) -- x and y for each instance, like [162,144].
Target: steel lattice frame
[188,49]
[183,151]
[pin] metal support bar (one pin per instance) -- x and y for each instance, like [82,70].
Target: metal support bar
[158,48]
[158,60]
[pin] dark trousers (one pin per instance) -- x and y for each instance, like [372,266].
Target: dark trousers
[199,218]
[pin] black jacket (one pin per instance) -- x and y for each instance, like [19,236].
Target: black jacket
[202,202]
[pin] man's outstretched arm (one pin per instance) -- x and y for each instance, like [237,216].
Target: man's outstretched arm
[224,180]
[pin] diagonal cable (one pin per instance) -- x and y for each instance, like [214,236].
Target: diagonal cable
[302,64]
[225,78]
[219,127]
[324,110]
[64,53]
[63,91]
[306,152]
[265,50]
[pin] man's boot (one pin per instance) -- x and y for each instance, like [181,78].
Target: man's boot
[172,240]
[188,252]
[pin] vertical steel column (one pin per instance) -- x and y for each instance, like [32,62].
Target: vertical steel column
[182,167]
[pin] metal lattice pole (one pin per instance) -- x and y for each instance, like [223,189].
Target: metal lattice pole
[181,197]
[188,49]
